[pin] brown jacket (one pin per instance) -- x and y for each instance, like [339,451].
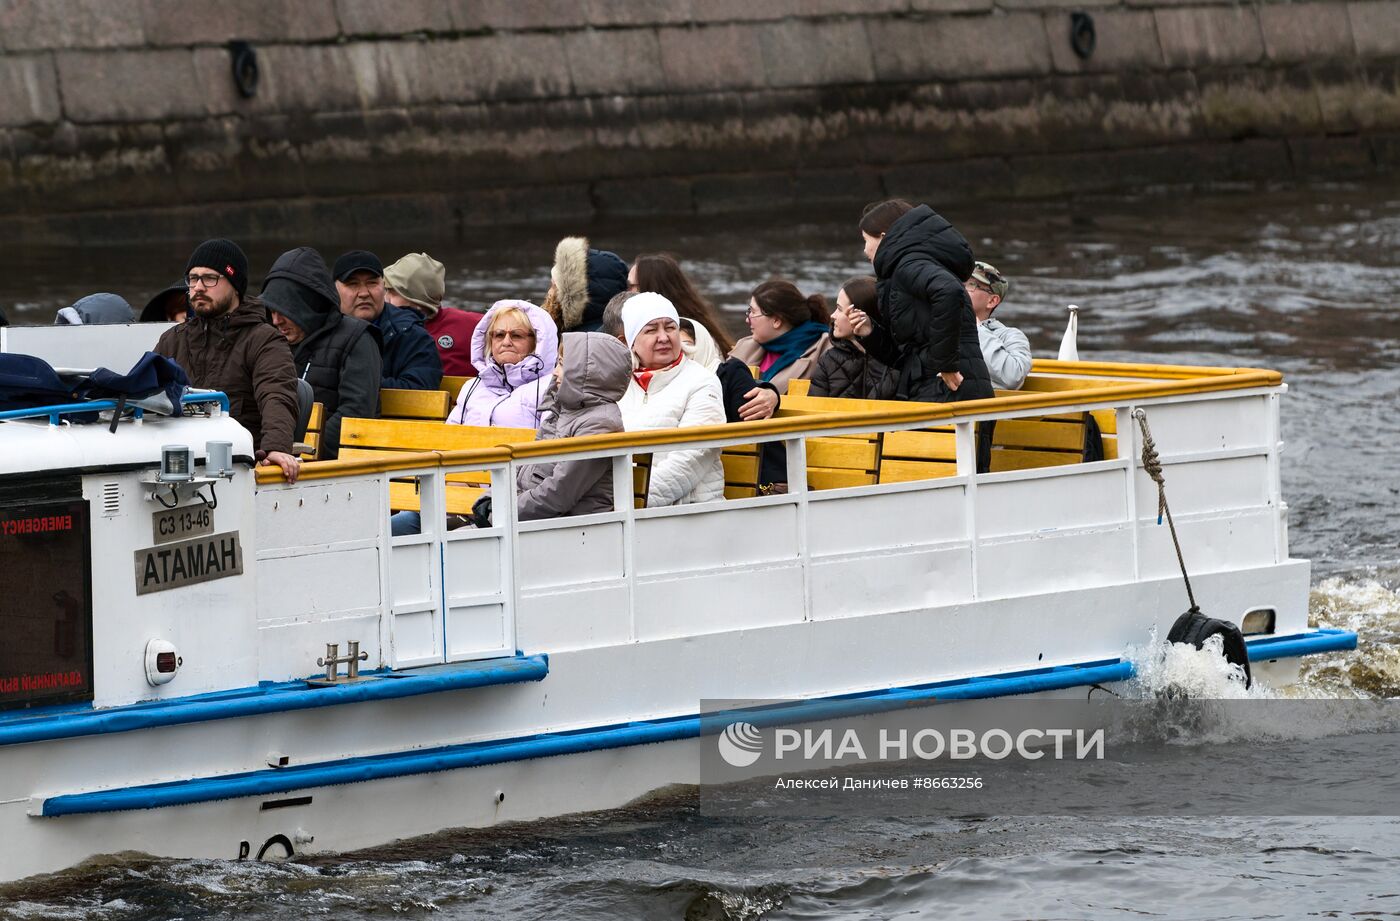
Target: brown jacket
[246,357]
[750,353]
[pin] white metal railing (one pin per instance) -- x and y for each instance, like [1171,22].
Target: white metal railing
[634,575]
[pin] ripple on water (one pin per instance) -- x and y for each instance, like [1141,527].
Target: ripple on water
[1301,280]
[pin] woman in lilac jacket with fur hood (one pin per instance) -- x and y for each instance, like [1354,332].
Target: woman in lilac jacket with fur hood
[514,349]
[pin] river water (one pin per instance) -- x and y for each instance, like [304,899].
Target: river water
[1302,280]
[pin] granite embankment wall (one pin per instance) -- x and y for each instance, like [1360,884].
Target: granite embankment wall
[120,119]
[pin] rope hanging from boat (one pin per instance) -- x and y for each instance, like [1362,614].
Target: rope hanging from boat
[1152,465]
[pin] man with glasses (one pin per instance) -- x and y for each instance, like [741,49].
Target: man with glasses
[1006,350]
[411,359]
[228,344]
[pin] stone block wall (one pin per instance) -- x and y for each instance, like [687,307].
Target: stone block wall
[492,111]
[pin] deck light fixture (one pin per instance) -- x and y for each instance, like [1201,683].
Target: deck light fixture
[176,464]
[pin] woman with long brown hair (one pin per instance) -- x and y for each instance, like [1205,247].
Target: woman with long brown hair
[660,272]
[847,370]
[788,333]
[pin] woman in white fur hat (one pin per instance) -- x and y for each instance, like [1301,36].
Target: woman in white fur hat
[669,390]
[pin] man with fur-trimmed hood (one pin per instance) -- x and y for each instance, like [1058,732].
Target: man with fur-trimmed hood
[582,281]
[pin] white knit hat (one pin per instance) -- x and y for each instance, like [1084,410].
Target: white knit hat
[642,309]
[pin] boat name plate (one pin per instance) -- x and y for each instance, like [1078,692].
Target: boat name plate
[188,562]
[179,523]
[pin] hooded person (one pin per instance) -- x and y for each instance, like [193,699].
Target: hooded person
[582,281]
[170,305]
[514,349]
[669,390]
[337,354]
[594,373]
[95,310]
[418,282]
[928,334]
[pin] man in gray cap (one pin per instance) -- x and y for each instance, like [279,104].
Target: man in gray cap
[1006,350]
[411,360]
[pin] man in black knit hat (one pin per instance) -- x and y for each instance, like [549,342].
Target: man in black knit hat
[226,343]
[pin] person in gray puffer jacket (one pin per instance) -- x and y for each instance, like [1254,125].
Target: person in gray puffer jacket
[592,375]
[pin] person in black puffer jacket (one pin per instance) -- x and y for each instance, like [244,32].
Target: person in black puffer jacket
[337,354]
[847,370]
[927,333]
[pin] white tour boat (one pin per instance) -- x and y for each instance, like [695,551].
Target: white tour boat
[164,621]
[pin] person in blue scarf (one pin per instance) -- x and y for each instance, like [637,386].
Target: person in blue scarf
[788,333]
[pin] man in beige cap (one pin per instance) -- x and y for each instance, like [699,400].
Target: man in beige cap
[1005,349]
[418,282]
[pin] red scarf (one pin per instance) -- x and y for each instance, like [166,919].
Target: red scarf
[643,378]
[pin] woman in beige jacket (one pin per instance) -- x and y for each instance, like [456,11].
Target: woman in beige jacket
[788,333]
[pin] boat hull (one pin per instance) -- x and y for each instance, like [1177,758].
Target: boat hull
[581,741]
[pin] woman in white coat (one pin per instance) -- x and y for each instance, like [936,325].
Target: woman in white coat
[669,390]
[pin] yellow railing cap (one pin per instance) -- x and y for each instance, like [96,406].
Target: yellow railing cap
[317,470]
[894,413]
[1089,369]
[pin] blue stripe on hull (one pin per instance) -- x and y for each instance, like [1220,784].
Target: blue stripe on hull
[270,698]
[476,754]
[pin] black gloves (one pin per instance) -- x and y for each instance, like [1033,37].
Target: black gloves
[481,512]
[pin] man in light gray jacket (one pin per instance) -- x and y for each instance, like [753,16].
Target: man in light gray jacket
[1006,350]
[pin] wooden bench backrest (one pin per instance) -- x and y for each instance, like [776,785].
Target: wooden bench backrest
[741,467]
[641,479]
[924,454]
[429,405]
[412,435]
[312,438]
[843,460]
[453,384]
[1017,444]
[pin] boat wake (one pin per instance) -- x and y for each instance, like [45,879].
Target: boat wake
[1371,608]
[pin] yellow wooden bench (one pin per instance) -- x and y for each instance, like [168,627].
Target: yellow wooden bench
[1017,444]
[393,404]
[1106,419]
[376,437]
[1018,439]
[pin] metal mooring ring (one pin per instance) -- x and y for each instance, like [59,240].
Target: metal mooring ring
[1082,36]
[245,68]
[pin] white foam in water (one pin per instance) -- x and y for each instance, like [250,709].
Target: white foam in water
[1193,687]
[1184,670]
